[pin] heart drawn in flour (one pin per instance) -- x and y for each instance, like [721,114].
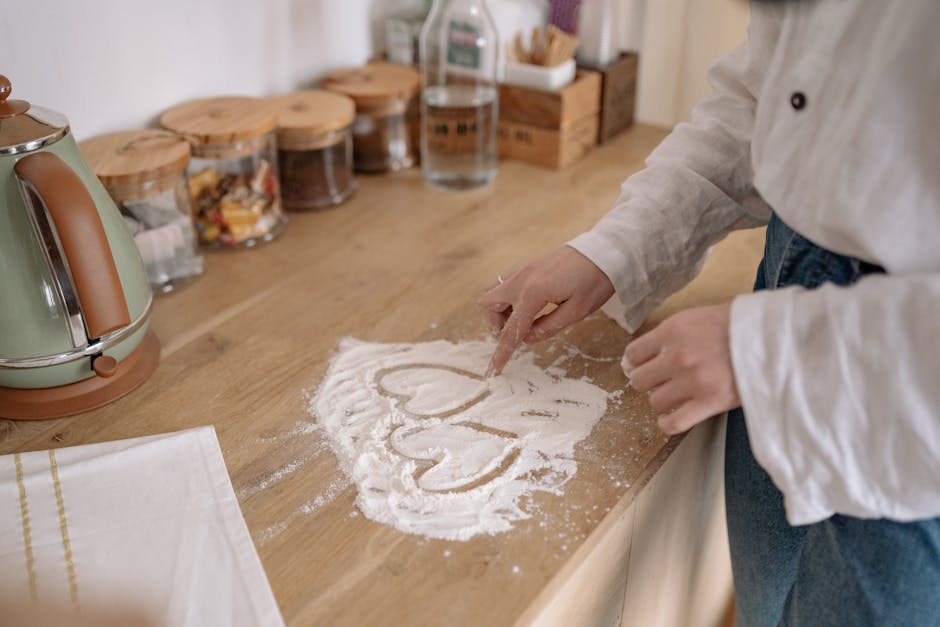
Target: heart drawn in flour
[464,456]
[432,391]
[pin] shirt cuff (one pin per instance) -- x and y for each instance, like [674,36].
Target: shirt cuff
[606,255]
[757,322]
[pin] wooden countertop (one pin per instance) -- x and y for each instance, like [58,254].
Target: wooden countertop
[246,343]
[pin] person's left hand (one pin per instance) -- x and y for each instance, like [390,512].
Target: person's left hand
[685,365]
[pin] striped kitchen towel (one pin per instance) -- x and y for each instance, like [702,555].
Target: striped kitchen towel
[147,528]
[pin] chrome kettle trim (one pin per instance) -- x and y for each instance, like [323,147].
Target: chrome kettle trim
[94,348]
[52,251]
[45,128]
[35,144]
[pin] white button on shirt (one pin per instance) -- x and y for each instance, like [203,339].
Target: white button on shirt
[829,115]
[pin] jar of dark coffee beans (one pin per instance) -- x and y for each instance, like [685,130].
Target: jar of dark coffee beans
[387,126]
[315,148]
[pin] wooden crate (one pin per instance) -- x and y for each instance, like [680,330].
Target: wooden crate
[618,96]
[547,147]
[552,109]
[550,128]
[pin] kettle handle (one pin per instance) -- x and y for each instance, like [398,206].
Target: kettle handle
[82,238]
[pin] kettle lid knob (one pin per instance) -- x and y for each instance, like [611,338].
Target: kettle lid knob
[9,108]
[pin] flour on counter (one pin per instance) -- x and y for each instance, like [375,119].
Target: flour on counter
[272,478]
[329,495]
[434,449]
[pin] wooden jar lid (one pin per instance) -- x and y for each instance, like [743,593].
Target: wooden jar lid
[135,164]
[375,85]
[304,117]
[223,120]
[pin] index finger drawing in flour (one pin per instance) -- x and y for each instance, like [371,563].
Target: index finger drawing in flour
[564,278]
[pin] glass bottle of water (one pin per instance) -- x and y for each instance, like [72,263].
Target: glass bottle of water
[459,51]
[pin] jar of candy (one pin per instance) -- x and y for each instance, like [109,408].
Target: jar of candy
[387,126]
[233,171]
[315,148]
[145,173]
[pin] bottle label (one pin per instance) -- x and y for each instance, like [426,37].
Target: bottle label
[462,49]
[451,132]
[458,130]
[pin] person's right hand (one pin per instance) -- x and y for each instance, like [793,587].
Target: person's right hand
[563,277]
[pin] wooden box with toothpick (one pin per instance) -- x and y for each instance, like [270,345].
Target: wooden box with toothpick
[544,126]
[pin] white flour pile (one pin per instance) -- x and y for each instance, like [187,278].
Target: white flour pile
[436,450]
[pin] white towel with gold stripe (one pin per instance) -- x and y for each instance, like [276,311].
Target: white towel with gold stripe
[149,526]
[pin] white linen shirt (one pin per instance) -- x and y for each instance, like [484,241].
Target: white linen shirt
[840,386]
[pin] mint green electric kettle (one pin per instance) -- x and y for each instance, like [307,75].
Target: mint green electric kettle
[74,296]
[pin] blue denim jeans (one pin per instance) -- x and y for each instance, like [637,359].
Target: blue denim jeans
[843,570]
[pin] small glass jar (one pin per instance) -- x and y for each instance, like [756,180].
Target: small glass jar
[315,148]
[233,177]
[145,173]
[402,34]
[385,133]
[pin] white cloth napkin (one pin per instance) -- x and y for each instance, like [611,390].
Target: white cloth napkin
[150,524]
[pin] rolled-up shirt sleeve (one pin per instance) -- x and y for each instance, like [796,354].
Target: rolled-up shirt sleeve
[697,187]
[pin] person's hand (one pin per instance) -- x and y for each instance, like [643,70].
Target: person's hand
[685,365]
[565,278]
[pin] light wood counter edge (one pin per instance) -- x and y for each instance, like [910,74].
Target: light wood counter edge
[607,527]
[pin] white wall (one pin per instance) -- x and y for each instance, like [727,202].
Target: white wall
[117,64]
[681,39]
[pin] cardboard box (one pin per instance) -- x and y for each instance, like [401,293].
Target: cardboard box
[550,128]
[618,96]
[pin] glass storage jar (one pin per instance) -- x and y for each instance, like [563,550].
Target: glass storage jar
[233,171]
[386,130]
[314,148]
[145,173]
[402,33]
